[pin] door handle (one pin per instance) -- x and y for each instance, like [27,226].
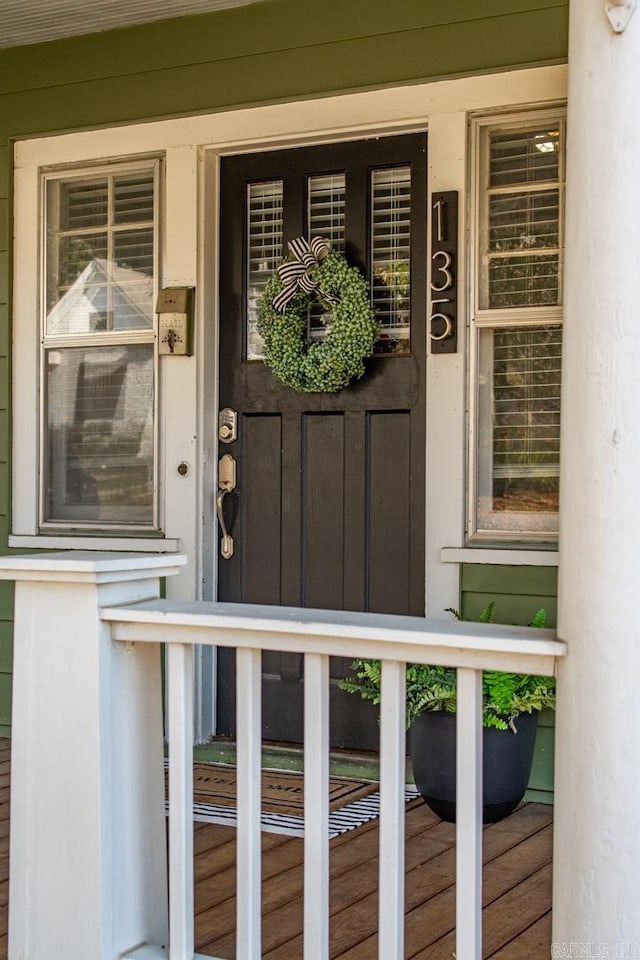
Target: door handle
[226,483]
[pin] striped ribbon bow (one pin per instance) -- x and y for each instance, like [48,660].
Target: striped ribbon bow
[297,272]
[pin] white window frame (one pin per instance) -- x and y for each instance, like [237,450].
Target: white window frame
[483,318]
[147,336]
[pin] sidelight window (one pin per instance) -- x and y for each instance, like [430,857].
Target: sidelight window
[516,329]
[98,349]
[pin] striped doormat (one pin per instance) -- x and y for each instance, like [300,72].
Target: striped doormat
[352,802]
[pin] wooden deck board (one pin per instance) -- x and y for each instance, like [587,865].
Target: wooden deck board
[533,942]
[502,878]
[429,886]
[516,887]
[514,850]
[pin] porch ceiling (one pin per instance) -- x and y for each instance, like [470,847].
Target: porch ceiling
[33,21]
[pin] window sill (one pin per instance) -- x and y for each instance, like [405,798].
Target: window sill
[507,556]
[137,544]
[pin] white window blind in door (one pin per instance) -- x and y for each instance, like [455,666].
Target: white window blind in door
[264,251]
[326,211]
[391,257]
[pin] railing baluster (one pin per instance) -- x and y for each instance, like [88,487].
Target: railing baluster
[180,723]
[392,802]
[248,849]
[316,807]
[469,815]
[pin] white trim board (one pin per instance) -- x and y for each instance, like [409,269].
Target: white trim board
[139,544]
[508,557]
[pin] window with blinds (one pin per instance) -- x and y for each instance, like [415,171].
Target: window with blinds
[520,404]
[264,252]
[391,257]
[518,331]
[521,235]
[98,421]
[100,254]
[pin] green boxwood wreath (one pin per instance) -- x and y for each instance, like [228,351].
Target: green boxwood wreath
[330,365]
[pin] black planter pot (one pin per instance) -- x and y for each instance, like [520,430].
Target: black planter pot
[506,766]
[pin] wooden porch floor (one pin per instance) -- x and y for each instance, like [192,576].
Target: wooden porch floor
[517,887]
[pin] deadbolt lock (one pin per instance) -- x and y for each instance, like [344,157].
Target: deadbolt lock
[227,425]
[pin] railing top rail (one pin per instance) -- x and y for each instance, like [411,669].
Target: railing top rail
[339,633]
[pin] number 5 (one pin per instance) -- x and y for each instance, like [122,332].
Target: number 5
[448,329]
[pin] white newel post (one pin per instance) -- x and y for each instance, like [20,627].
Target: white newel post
[597,818]
[88,861]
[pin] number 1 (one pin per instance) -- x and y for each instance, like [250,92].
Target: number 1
[439,207]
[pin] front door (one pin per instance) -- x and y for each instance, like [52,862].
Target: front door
[328,509]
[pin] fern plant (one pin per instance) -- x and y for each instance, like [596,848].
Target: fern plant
[505,695]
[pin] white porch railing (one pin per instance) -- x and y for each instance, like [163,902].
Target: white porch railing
[128,613]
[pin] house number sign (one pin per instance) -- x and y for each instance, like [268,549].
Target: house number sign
[444,289]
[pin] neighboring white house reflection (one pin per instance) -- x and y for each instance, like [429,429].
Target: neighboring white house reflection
[100,402]
[104,296]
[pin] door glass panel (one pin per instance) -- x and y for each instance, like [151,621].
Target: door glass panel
[264,251]
[326,209]
[391,257]
[326,219]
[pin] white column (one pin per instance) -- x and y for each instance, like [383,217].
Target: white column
[597,828]
[88,861]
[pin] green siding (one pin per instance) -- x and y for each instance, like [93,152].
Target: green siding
[6,605]
[4,330]
[541,780]
[518,591]
[281,74]
[5,653]
[281,49]
[5,699]
[4,223]
[4,277]
[273,51]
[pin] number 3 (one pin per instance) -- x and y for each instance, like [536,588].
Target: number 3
[448,276]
